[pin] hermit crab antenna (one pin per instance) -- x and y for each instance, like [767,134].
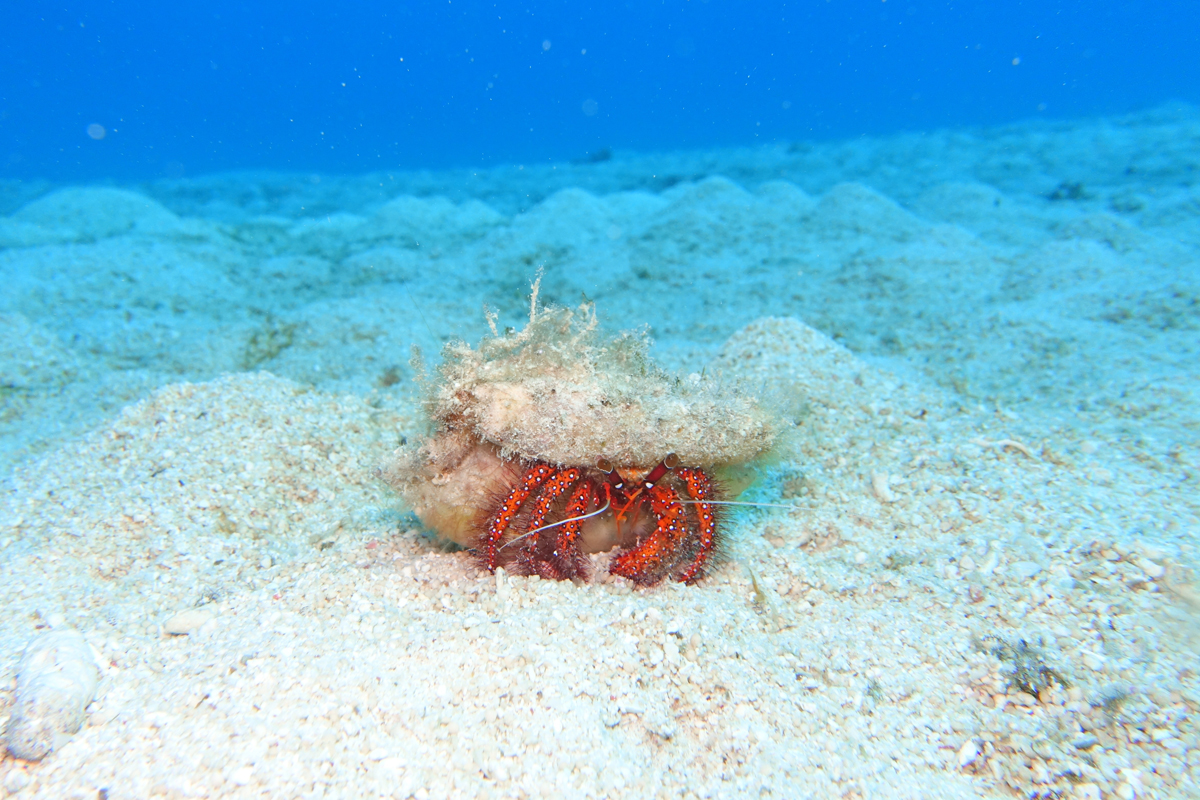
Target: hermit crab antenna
[736,503]
[598,511]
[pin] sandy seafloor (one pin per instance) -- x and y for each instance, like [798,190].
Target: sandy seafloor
[983,343]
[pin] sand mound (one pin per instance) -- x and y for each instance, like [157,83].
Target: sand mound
[84,214]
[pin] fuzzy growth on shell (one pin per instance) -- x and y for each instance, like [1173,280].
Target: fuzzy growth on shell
[556,391]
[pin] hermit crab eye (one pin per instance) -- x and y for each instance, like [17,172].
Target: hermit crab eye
[604,465]
[671,461]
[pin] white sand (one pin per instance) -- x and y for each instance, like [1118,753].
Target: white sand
[1010,453]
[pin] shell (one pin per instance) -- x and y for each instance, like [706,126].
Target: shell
[56,680]
[557,392]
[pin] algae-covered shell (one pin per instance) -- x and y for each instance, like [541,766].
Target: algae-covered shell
[556,392]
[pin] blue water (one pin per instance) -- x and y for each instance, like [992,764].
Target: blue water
[130,90]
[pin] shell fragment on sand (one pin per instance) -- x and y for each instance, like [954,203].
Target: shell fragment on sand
[187,621]
[881,486]
[56,680]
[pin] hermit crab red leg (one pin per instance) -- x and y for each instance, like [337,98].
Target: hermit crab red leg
[679,537]
[647,562]
[557,557]
[568,560]
[499,523]
[700,489]
[554,489]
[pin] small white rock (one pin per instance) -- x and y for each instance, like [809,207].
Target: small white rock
[991,560]
[880,486]
[188,620]
[967,753]
[16,780]
[501,586]
[242,776]
[1152,570]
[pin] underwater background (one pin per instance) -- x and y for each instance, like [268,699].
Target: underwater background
[188,90]
[950,248]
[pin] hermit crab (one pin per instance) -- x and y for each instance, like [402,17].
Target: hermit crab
[552,443]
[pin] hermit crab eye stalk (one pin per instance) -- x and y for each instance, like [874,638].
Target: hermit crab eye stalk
[666,465]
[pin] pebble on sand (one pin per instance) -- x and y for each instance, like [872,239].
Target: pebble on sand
[187,621]
[968,752]
[880,485]
[1152,570]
